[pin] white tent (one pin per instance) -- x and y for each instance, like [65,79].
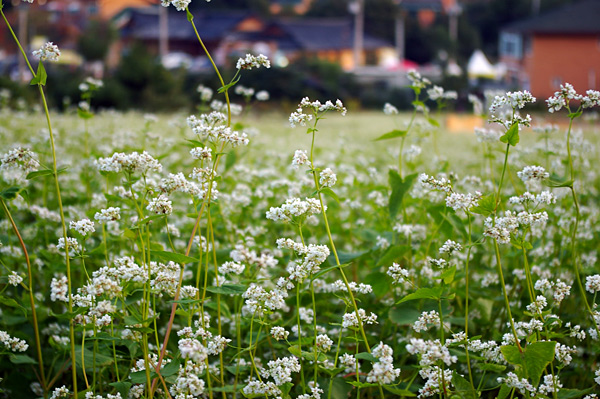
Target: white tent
[480,67]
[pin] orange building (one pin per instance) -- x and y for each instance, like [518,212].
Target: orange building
[560,46]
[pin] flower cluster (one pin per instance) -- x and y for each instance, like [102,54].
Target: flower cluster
[253,61]
[49,51]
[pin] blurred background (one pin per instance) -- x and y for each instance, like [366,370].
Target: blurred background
[149,57]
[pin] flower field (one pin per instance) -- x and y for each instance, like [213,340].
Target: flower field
[325,253]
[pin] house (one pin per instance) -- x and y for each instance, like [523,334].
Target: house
[560,46]
[330,39]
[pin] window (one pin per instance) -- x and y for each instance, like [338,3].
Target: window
[556,82]
[511,45]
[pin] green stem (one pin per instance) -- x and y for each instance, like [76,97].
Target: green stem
[36,331]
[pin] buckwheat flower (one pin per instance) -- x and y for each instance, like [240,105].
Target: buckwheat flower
[281,369]
[83,226]
[300,158]
[180,5]
[426,319]
[449,247]
[562,98]
[591,99]
[417,80]
[19,158]
[389,109]
[397,273]
[160,205]
[513,381]
[382,242]
[72,242]
[350,320]
[49,51]
[383,371]
[279,333]
[437,93]
[563,353]
[263,95]
[477,104]
[299,118]
[62,392]
[597,379]
[201,153]
[244,91]
[192,349]
[108,215]
[487,135]
[551,384]
[592,283]
[28,1]
[545,198]
[463,202]
[533,173]
[538,305]
[14,279]
[206,93]
[231,268]
[59,289]
[323,343]
[327,178]
[432,183]
[252,61]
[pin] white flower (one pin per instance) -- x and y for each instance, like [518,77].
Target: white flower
[279,333]
[389,109]
[327,178]
[48,51]
[83,226]
[263,95]
[300,158]
[14,279]
[253,61]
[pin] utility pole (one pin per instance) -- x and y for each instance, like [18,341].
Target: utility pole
[22,14]
[358,9]
[163,31]
[400,35]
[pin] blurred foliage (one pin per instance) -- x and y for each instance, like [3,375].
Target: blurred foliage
[94,42]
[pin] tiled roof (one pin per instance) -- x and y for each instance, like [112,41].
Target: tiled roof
[577,18]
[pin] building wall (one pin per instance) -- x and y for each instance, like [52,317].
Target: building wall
[554,59]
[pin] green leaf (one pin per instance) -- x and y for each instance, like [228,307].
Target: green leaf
[400,392]
[13,304]
[463,387]
[392,254]
[554,183]
[330,193]
[423,293]
[448,275]
[147,220]
[366,356]
[139,377]
[172,256]
[486,205]
[339,389]
[228,289]
[190,17]
[84,114]
[433,122]
[362,384]
[494,368]
[534,359]
[230,159]
[40,76]
[10,193]
[574,115]
[223,89]
[381,285]
[504,392]
[399,188]
[512,135]
[39,173]
[392,135]
[345,257]
[21,359]
[171,368]
[404,316]
[122,387]
[573,393]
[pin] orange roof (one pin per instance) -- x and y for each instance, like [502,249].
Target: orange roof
[110,8]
